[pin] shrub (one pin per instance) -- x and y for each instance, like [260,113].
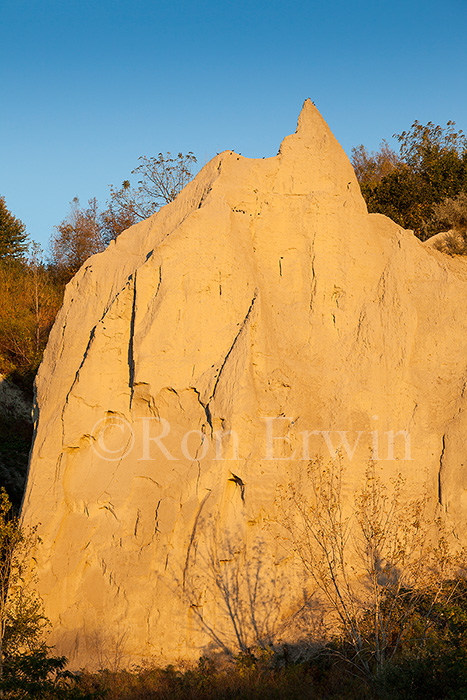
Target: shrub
[374,567]
[451,215]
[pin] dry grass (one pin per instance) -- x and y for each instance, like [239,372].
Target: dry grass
[246,679]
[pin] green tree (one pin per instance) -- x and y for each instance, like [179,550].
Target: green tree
[27,670]
[431,166]
[13,236]
[21,619]
[422,146]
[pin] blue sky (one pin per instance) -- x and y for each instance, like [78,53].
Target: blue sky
[88,87]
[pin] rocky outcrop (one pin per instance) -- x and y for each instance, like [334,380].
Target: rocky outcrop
[183,370]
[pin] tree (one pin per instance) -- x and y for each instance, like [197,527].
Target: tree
[86,230]
[27,670]
[13,236]
[21,619]
[370,168]
[422,146]
[77,238]
[380,566]
[161,180]
[115,220]
[431,166]
[30,298]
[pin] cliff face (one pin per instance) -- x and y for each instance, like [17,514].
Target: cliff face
[185,365]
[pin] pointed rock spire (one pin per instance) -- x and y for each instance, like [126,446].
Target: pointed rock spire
[313,160]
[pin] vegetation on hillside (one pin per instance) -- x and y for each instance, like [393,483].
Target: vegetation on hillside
[13,236]
[31,288]
[403,634]
[409,186]
[88,230]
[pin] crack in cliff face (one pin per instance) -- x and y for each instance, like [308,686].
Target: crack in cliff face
[205,193]
[86,352]
[313,281]
[441,457]
[361,320]
[131,357]
[131,342]
[206,409]
[58,466]
[193,535]
[110,507]
[381,287]
[205,406]
[159,282]
[91,337]
[135,531]
[156,517]
[244,322]
[238,482]
[131,360]
[75,379]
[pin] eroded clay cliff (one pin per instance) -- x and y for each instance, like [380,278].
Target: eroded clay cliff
[263,302]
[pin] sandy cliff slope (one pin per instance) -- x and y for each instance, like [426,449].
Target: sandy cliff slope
[263,302]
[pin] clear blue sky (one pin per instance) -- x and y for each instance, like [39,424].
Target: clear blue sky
[88,86]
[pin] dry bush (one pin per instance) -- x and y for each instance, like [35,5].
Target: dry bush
[373,564]
[454,243]
[451,214]
[371,168]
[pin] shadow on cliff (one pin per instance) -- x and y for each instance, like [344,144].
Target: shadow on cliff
[241,597]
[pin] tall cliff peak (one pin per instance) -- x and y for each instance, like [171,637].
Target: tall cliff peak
[314,160]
